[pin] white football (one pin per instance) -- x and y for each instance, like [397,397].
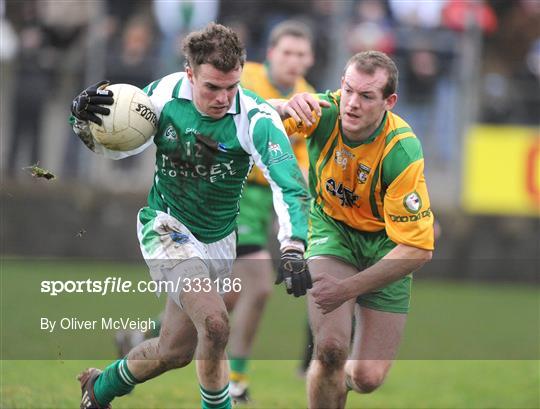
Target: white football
[131,122]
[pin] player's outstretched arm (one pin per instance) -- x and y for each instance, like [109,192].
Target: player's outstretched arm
[330,292]
[91,107]
[303,108]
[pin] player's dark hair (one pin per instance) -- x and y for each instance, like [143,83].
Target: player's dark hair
[369,61]
[216,45]
[293,28]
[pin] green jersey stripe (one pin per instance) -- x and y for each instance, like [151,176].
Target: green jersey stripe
[372,201]
[150,239]
[402,154]
[176,88]
[396,132]
[320,169]
[149,89]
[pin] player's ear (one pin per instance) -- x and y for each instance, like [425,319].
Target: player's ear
[189,73]
[390,102]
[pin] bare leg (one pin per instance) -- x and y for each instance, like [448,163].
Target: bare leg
[174,348]
[332,333]
[377,338]
[209,315]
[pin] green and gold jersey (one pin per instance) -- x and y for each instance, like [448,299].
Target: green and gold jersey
[255,77]
[203,163]
[371,185]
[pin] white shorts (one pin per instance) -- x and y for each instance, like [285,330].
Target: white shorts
[175,256]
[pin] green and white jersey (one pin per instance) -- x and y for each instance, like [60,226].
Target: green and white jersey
[202,163]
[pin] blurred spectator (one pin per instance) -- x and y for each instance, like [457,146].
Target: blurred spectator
[527,87]
[242,17]
[458,14]
[511,83]
[371,28]
[65,23]
[34,69]
[119,12]
[175,19]
[428,85]
[497,105]
[255,20]
[132,59]
[320,15]
[9,43]
[422,14]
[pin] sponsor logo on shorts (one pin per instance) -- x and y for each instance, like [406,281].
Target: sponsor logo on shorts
[412,202]
[179,238]
[316,242]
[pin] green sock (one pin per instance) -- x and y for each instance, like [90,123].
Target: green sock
[215,400]
[238,369]
[115,380]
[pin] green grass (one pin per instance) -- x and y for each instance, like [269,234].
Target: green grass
[411,384]
[465,346]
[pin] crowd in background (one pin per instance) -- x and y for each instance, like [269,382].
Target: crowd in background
[50,49]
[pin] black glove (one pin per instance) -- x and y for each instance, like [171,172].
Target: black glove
[86,105]
[294,271]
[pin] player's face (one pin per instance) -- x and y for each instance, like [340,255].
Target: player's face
[289,59]
[362,104]
[213,90]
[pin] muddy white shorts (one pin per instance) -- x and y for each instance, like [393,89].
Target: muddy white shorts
[177,260]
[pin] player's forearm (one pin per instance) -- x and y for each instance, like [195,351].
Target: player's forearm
[82,130]
[399,262]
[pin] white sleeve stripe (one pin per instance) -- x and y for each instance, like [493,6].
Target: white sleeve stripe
[163,92]
[245,129]
[281,207]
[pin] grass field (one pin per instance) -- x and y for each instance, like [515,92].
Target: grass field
[466,346]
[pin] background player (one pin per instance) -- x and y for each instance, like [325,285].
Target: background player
[188,228]
[371,225]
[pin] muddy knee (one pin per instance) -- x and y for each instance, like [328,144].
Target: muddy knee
[331,353]
[216,331]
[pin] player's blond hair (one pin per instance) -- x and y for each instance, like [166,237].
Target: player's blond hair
[369,61]
[216,45]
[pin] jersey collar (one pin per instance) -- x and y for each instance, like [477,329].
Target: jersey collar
[185,91]
[371,138]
